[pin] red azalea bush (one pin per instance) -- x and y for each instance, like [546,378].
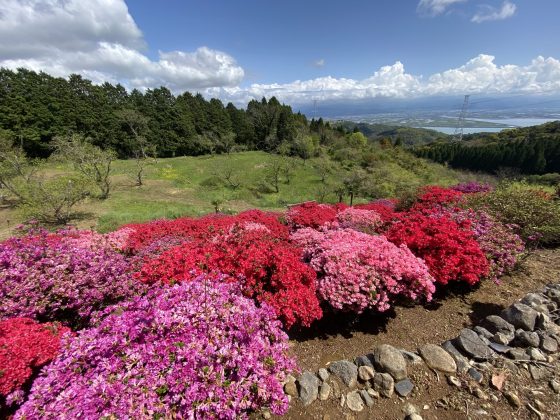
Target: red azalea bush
[434,195]
[312,214]
[449,248]
[144,234]
[25,347]
[358,271]
[269,270]
[384,208]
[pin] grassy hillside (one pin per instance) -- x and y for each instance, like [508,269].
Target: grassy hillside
[193,185]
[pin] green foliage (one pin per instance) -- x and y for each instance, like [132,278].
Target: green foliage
[533,210]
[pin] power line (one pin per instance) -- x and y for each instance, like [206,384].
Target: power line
[458,134]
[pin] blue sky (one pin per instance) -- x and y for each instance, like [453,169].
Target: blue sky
[297,50]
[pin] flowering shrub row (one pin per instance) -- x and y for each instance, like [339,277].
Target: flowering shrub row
[25,347]
[269,270]
[194,350]
[49,278]
[359,271]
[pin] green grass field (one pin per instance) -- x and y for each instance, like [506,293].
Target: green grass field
[188,186]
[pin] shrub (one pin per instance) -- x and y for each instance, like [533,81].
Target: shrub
[448,248]
[358,271]
[194,350]
[384,208]
[25,347]
[472,187]
[367,221]
[312,215]
[48,278]
[269,270]
[535,213]
[433,195]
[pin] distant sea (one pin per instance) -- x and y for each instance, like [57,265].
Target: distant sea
[510,122]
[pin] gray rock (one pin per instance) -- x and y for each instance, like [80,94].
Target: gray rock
[364,360]
[526,338]
[414,417]
[472,345]
[461,361]
[367,398]
[411,358]
[475,375]
[495,324]
[536,354]
[437,358]
[555,385]
[535,299]
[323,374]
[483,332]
[537,373]
[549,345]
[384,384]
[521,316]
[373,393]
[365,373]
[324,391]
[346,371]
[452,380]
[354,401]
[518,354]
[484,340]
[499,348]
[308,385]
[512,399]
[388,359]
[553,294]
[503,337]
[404,388]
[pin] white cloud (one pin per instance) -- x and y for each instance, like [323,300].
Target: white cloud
[435,7]
[489,13]
[319,63]
[478,75]
[100,40]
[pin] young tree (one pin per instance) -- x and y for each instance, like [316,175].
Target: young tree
[92,162]
[274,169]
[323,168]
[354,182]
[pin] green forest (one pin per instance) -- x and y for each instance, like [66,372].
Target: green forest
[529,150]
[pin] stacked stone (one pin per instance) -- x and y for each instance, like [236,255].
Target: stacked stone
[526,331]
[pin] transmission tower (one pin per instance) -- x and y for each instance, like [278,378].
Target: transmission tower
[458,134]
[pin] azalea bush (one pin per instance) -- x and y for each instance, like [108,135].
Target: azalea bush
[25,347]
[312,215]
[472,187]
[448,248]
[434,195]
[194,350]
[268,269]
[367,221]
[383,207]
[49,277]
[358,271]
[144,234]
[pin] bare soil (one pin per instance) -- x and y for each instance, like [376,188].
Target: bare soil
[338,337]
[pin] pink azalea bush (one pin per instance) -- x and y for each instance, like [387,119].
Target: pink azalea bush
[193,350]
[362,220]
[358,271]
[49,277]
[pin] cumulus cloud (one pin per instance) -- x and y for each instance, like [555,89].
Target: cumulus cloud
[100,40]
[479,75]
[489,13]
[435,7]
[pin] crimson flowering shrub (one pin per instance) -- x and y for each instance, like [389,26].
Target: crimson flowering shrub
[501,245]
[49,278]
[384,208]
[367,221]
[433,195]
[312,214]
[448,248]
[186,228]
[269,269]
[25,347]
[193,350]
[472,187]
[358,271]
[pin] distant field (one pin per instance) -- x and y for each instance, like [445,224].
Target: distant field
[187,186]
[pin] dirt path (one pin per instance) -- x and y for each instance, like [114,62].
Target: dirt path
[409,327]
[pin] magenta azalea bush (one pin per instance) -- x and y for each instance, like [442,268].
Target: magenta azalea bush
[54,277]
[367,221]
[193,350]
[358,271]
